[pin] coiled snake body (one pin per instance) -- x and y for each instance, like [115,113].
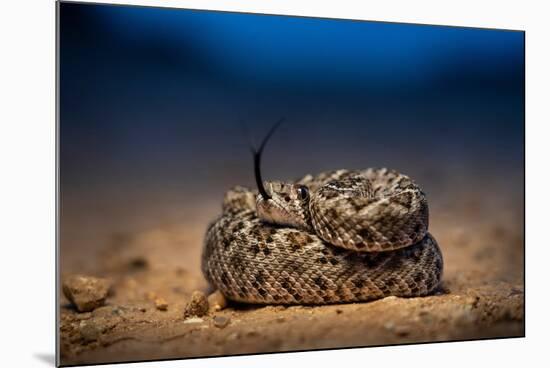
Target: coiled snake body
[340,236]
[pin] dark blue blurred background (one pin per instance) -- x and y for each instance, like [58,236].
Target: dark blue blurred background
[151,100]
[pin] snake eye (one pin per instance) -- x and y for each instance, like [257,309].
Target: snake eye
[303,192]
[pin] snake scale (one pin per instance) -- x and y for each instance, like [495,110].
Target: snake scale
[337,237]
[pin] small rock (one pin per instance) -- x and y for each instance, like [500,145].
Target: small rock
[119,310]
[194,320]
[221,321]
[399,330]
[217,301]
[83,316]
[89,332]
[402,331]
[233,336]
[442,289]
[138,263]
[197,306]
[85,292]
[161,304]
[107,311]
[339,311]
[280,319]
[472,301]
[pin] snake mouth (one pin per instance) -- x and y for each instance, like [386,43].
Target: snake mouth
[271,213]
[257,160]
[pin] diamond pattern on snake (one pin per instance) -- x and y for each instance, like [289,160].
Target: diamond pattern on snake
[337,237]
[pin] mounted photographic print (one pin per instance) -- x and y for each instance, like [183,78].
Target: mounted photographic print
[235,183]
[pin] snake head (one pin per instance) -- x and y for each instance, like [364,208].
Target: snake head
[286,205]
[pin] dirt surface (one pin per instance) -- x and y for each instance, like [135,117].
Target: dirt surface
[154,272]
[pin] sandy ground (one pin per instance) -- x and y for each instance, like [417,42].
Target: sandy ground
[482,295]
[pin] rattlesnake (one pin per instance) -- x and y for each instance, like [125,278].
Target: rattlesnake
[340,236]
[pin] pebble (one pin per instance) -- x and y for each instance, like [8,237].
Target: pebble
[86,293]
[233,336]
[398,330]
[472,301]
[197,306]
[108,310]
[221,321]
[442,290]
[194,320]
[402,331]
[138,263]
[89,332]
[83,316]
[389,325]
[217,301]
[161,304]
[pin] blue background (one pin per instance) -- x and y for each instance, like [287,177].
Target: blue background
[153,101]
